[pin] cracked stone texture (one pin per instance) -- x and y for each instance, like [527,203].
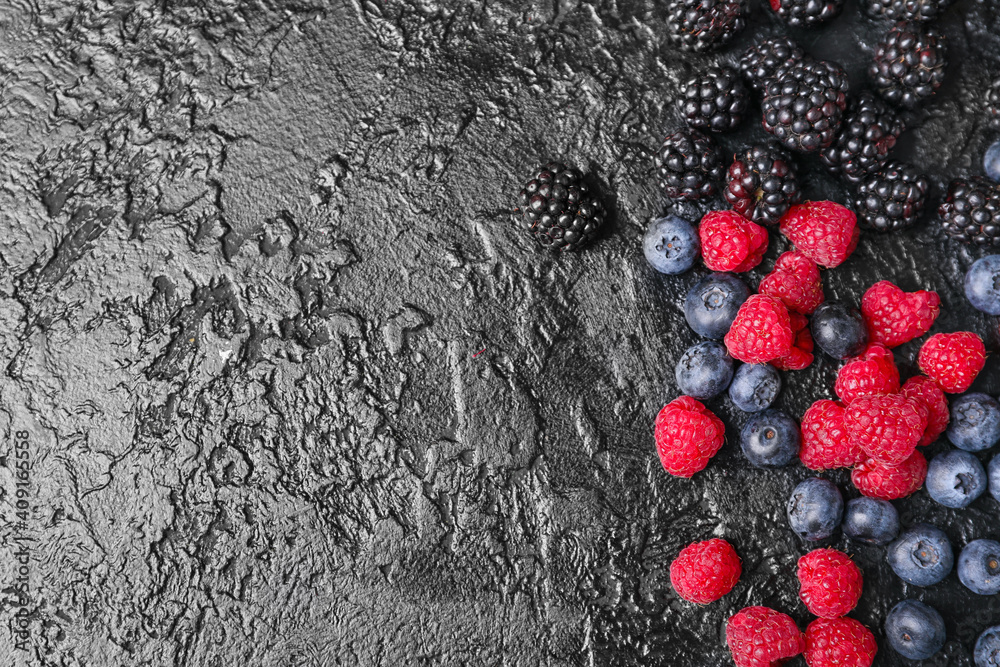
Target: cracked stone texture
[299,392]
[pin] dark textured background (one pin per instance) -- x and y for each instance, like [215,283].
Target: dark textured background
[250,253]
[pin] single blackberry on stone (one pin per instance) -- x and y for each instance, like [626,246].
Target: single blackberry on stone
[892,198]
[804,106]
[867,134]
[762,184]
[688,164]
[971,212]
[909,63]
[763,61]
[705,25]
[993,105]
[905,10]
[715,99]
[560,209]
[807,13]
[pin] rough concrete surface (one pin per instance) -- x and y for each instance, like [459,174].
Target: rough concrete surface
[295,390]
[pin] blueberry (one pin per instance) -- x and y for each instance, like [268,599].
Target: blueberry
[839,330]
[975,422]
[704,370]
[815,509]
[991,162]
[922,555]
[770,439]
[671,245]
[987,653]
[982,284]
[955,478]
[993,474]
[914,630]
[711,305]
[979,567]
[754,387]
[871,520]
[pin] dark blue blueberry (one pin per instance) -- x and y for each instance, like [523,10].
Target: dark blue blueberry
[979,567]
[871,520]
[711,305]
[955,478]
[770,439]
[754,387]
[987,653]
[922,555]
[704,370]
[975,422]
[815,509]
[982,284]
[671,245]
[914,630]
[838,330]
[993,474]
[991,162]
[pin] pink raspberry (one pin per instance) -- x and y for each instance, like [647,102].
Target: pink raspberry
[730,242]
[895,317]
[829,582]
[705,571]
[761,332]
[796,281]
[952,360]
[878,480]
[922,389]
[873,373]
[763,637]
[801,354]
[839,642]
[825,442]
[823,231]
[687,435]
[887,428]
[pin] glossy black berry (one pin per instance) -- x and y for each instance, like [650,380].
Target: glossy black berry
[807,13]
[559,209]
[715,100]
[804,106]
[764,60]
[688,165]
[905,10]
[971,212]
[705,25]
[892,198]
[909,64]
[869,131]
[762,184]
[993,105]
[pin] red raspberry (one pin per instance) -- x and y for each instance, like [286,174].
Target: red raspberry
[795,280]
[824,231]
[801,354]
[687,436]
[730,242]
[878,480]
[705,571]
[839,642]
[887,428]
[825,443]
[873,373]
[895,317]
[921,388]
[763,637]
[952,360]
[762,331]
[829,582]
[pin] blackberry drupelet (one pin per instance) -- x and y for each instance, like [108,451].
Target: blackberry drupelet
[715,100]
[866,136]
[705,25]
[806,13]
[905,10]
[804,106]
[559,208]
[971,212]
[688,163]
[763,61]
[993,105]
[762,184]
[909,63]
[892,198]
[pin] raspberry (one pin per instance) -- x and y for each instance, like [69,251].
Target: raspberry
[823,231]
[839,642]
[762,637]
[895,317]
[878,480]
[887,428]
[795,280]
[825,442]
[829,582]
[921,388]
[761,332]
[873,373]
[705,571]
[687,436]
[730,242]
[952,360]
[801,354]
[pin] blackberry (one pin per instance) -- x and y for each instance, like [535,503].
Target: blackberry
[905,10]
[762,184]
[993,105]
[715,100]
[560,209]
[705,25]
[891,199]
[803,106]
[866,136]
[807,13]
[909,63]
[971,212]
[688,163]
[763,61]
